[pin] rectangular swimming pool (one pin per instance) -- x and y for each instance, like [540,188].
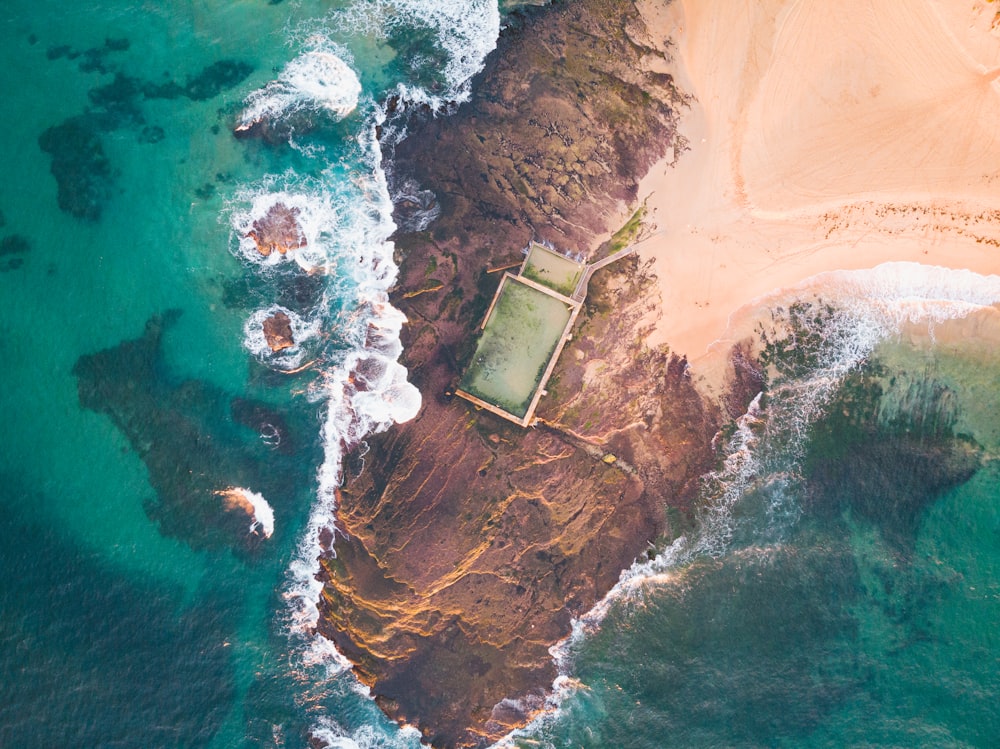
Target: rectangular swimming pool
[523,330]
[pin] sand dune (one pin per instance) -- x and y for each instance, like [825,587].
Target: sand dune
[823,136]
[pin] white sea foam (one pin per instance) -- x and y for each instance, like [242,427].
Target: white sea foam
[364,391]
[324,218]
[336,736]
[869,306]
[263,513]
[318,79]
[466,31]
[254,504]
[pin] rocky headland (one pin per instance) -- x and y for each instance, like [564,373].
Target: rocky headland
[468,543]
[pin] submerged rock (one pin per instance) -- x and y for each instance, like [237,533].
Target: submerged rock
[884,467]
[215,78]
[14,244]
[185,433]
[80,166]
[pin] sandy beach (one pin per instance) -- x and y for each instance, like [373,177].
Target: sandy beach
[821,137]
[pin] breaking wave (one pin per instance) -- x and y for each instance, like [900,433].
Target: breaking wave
[465,31]
[335,736]
[762,456]
[319,80]
[263,513]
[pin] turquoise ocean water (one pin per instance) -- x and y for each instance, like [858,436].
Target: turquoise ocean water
[135,608]
[841,588]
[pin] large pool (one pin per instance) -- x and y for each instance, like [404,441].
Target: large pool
[520,336]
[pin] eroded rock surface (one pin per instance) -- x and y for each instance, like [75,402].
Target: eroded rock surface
[562,125]
[469,543]
[278,231]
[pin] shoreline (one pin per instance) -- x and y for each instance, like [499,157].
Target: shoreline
[743,217]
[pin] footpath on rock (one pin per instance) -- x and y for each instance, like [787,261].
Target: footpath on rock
[469,543]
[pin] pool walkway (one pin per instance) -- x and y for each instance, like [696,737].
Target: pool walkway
[494,375]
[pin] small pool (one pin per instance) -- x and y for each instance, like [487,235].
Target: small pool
[551,269]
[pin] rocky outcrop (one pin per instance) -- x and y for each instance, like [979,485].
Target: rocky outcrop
[278,231]
[563,123]
[468,543]
[278,331]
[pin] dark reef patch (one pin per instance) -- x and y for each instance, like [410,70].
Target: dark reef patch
[14,244]
[888,469]
[151,134]
[216,78]
[269,424]
[81,168]
[191,441]
[92,60]
[117,102]
[300,292]
[211,81]
[205,191]
[58,51]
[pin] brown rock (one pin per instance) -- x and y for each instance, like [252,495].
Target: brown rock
[278,331]
[278,230]
[471,543]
